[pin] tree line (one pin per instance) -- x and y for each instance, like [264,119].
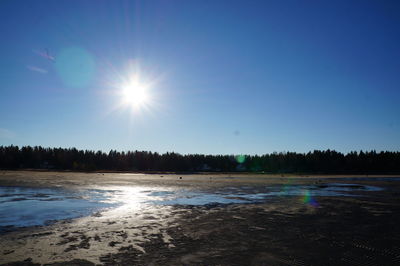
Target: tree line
[317,162]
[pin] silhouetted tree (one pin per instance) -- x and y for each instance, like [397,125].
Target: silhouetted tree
[317,162]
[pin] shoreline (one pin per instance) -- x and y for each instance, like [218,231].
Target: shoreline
[81,179]
[238,174]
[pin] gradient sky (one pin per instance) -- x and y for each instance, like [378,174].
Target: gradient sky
[228,77]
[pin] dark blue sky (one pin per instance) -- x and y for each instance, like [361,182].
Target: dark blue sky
[226,76]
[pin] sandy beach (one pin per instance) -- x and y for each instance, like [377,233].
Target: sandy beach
[359,229]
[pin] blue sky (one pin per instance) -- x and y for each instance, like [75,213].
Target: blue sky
[227,77]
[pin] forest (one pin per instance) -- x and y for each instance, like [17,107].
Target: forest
[313,162]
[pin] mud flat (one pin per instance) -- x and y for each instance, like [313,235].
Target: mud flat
[206,220]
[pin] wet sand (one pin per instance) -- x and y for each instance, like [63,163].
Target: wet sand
[360,230]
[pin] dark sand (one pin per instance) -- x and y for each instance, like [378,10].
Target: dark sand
[360,230]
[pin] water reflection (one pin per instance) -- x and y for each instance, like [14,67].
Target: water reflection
[23,206]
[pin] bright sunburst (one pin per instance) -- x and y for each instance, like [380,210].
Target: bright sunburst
[134,93]
[134,89]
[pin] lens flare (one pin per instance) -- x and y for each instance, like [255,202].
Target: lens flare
[308,199]
[76,67]
[240,158]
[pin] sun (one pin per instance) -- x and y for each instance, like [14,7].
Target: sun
[134,93]
[134,89]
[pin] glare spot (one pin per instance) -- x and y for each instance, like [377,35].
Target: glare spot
[240,158]
[75,66]
[309,199]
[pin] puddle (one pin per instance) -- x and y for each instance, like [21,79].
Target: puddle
[23,206]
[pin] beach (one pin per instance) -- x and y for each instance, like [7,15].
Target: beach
[217,219]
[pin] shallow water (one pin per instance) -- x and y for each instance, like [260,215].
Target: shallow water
[248,194]
[24,206]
